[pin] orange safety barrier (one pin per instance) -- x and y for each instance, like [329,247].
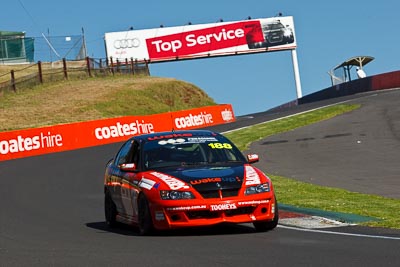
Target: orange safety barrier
[44,140]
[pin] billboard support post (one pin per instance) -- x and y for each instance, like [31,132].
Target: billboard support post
[296,74]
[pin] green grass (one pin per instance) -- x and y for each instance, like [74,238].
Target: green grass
[301,194]
[306,195]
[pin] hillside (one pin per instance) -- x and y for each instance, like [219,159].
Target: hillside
[97,98]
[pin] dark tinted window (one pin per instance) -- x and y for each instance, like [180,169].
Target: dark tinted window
[190,151]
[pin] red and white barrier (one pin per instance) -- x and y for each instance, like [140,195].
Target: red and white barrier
[44,140]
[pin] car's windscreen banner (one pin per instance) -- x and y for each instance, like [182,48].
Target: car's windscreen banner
[202,40]
[30,142]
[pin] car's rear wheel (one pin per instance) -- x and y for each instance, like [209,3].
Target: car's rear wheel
[110,210]
[145,221]
[264,226]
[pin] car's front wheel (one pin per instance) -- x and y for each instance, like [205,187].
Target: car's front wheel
[145,221]
[110,211]
[264,226]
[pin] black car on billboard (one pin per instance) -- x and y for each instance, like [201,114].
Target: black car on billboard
[275,33]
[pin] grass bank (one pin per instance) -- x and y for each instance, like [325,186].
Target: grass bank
[97,98]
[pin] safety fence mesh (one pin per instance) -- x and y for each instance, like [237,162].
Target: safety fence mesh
[17,49]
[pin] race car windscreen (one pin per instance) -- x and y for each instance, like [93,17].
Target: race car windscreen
[191,151]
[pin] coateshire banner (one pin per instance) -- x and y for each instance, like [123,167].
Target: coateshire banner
[37,141]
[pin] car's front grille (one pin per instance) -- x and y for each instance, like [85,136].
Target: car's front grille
[240,211]
[224,193]
[202,214]
[275,37]
[230,192]
[210,194]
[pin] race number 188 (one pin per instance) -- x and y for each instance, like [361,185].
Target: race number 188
[220,145]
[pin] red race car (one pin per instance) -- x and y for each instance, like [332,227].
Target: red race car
[185,179]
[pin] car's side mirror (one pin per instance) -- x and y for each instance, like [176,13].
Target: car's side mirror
[128,167]
[109,162]
[253,158]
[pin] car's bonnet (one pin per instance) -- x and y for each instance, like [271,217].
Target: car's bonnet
[211,178]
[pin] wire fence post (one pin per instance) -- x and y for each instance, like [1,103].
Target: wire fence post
[117,65]
[13,85]
[132,66]
[88,66]
[112,65]
[40,71]
[65,68]
[147,68]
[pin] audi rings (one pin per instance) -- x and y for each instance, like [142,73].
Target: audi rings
[126,43]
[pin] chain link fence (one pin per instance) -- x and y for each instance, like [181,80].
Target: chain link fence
[16,48]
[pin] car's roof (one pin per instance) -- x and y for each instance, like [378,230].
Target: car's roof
[168,134]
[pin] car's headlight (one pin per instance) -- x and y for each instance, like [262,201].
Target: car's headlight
[261,188]
[287,33]
[175,195]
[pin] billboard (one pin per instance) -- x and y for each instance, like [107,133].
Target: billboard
[202,40]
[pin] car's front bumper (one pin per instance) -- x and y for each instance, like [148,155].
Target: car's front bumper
[213,211]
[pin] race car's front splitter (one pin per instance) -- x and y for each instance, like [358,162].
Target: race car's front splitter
[187,214]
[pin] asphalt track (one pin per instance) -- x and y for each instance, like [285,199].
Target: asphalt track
[52,205]
[358,151]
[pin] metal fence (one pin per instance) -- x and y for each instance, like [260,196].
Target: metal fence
[39,73]
[16,48]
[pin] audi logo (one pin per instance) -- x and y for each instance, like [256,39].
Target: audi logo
[126,43]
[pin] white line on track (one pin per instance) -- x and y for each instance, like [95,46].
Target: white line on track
[337,233]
